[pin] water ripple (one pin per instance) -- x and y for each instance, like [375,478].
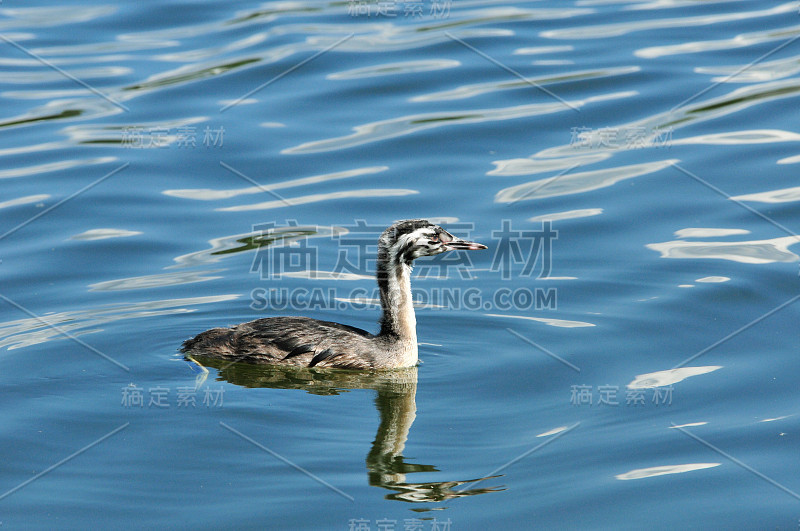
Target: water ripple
[51,76]
[155,281]
[390,69]
[32,331]
[26,200]
[738,138]
[669,377]
[52,166]
[569,214]
[591,148]
[785,195]
[713,279]
[316,198]
[66,109]
[228,246]
[708,232]
[576,183]
[469,91]
[124,134]
[200,54]
[205,194]
[640,473]
[749,252]
[753,72]
[740,41]
[404,125]
[560,323]
[43,17]
[204,61]
[602,31]
[103,234]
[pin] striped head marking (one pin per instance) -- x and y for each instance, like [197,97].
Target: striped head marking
[407,240]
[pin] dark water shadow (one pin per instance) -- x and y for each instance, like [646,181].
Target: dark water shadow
[396,403]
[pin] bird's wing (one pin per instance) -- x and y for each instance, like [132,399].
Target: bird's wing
[286,340]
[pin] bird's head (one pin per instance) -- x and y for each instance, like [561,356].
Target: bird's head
[409,239]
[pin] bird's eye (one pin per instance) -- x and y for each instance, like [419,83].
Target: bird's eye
[434,238]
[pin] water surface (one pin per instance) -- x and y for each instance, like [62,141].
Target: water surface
[623,356]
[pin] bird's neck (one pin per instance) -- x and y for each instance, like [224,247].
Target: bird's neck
[398,321]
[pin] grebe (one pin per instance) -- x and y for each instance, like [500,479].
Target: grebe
[312,343]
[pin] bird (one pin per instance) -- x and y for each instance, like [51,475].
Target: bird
[306,342]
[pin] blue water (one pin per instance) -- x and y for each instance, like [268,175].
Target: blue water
[171,167]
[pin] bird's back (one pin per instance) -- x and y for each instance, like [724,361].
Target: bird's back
[298,341]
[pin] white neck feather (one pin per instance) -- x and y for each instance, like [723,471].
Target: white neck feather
[399,319]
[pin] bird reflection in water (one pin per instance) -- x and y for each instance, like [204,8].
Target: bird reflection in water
[396,404]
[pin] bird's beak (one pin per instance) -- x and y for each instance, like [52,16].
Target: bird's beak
[463,245]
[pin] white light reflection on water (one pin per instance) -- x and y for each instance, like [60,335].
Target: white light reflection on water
[650,472]
[205,194]
[404,67]
[155,281]
[659,131]
[32,331]
[693,232]
[316,198]
[576,183]
[614,30]
[661,378]
[569,214]
[785,195]
[713,279]
[560,323]
[405,125]
[26,200]
[749,252]
[103,234]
